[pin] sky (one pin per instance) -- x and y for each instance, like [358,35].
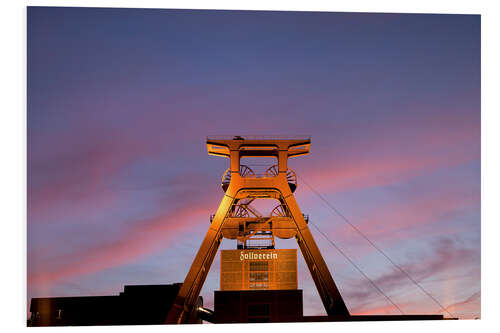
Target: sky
[120,186]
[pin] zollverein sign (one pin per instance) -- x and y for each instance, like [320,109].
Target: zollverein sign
[258,269]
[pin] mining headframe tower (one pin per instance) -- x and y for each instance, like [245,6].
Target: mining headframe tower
[256,274]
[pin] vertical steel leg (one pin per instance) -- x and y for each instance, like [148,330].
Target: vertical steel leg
[184,303]
[328,291]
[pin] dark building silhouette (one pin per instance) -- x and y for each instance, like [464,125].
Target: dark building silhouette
[150,304]
[258,306]
[279,306]
[136,305]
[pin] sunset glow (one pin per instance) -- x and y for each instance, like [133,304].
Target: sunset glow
[121,188]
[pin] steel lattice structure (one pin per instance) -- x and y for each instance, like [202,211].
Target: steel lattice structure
[236,219]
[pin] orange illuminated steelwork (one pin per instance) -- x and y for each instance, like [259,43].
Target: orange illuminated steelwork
[236,219]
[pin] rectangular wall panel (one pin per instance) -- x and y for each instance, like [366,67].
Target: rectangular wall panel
[271,269]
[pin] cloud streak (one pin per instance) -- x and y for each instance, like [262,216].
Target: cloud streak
[447,257]
[468,308]
[399,221]
[142,239]
[382,159]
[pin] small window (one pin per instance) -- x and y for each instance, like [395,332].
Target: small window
[262,266]
[259,276]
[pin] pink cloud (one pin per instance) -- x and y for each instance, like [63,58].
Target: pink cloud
[377,158]
[470,308]
[446,257]
[142,239]
[80,176]
[376,310]
[362,173]
[395,222]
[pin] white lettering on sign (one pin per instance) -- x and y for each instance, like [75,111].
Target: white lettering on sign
[254,256]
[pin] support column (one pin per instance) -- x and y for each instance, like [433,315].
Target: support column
[329,293]
[282,161]
[187,297]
